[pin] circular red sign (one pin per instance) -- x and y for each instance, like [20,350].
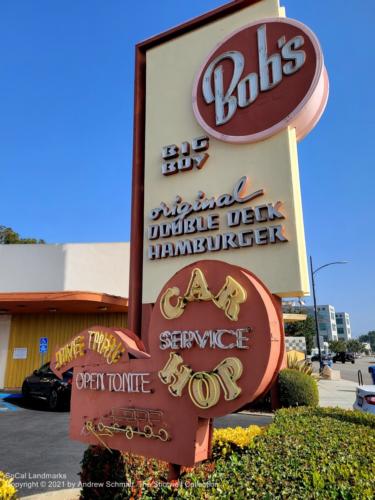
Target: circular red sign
[203,335]
[260,79]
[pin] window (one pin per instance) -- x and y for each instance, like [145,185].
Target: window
[333,327]
[322,326]
[340,331]
[339,321]
[333,316]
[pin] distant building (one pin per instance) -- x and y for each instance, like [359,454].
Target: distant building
[326,321]
[332,325]
[52,292]
[344,331]
[367,346]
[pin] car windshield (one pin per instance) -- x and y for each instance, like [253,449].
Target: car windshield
[46,369]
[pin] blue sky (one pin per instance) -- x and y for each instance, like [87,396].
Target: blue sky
[66,104]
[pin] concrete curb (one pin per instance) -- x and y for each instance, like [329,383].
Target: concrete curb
[257,413]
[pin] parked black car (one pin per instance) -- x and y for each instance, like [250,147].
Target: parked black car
[325,357]
[343,357]
[43,384]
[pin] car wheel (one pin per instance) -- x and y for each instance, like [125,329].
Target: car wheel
[53,400]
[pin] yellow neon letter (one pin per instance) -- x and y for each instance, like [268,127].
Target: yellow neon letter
[167,309]
[229,371]
[230,297]
[174,375]
[204,389]
[197,288]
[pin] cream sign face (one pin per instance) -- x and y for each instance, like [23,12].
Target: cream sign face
[220,172]
[259,80]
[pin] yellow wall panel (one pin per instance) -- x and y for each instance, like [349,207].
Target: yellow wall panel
[26,331]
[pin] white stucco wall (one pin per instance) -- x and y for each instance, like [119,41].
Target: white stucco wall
[94,267]
[4,341]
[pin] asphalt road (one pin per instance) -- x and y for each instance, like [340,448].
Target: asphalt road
[35,445]
[34,442]
[349,371]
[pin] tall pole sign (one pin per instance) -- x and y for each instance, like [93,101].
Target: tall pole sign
[220,105]
[217,233]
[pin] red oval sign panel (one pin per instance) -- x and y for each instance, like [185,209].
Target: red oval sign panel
[260,79]
[217,336]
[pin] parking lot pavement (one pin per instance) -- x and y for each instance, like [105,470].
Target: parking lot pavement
[243,419]
[349,371]
[35,447]
[35,444]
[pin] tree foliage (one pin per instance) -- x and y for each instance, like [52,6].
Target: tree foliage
[9,237]
[302,329]
[338,346]
[371,339]
[354,345]
[364,338]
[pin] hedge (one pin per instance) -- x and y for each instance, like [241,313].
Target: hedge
[307,453]
[101,467]
[297,389]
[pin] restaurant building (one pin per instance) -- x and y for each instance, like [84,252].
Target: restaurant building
[52,292]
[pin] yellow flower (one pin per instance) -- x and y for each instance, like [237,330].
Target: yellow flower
[239,436]
[7,490]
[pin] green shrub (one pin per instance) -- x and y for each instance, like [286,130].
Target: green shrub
[300,365]
[307,453]
[297,389]
[100,470]
[147,477]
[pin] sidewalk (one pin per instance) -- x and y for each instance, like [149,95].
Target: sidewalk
[72,494]
[339,393]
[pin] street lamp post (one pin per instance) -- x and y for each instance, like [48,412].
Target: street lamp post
[313,272]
